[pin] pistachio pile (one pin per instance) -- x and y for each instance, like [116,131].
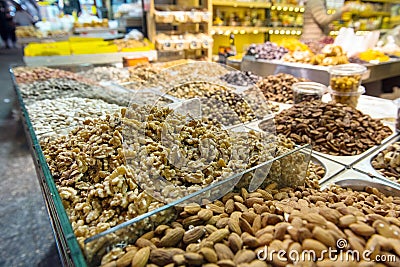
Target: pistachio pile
[31,74]
[331,128]
[243,228]
[278,87]
[96,188]
[387,162]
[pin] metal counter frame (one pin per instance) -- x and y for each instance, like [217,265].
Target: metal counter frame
[68,248]
[316,73]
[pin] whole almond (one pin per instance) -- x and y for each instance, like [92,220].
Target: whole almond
[178,259]
[210,265]
[141,257]
[223,252]
[214,219]
[324,236]
[210,228]
[351,235]
[205,214]
[172,237]
[126,259]
[265,194]
[253,200]
[234,226]
[215,208]
[193,235]
[240,207]
[192,221]
[163,256]
[355,244]
[235,242]
[192,208]
[338,233]
[209,254]
[383,229]
[362,229]
[229,206]
[314,245]
[314,218]
[265,239]
[249,240]
[226,263]
[245,226]
[304,233]
[193,258]
[257,224]
[218,235]
[222,223]
[141,243]
[346,220]
[244,256]
[148,235]
[330,214]
[280,230]
[293,232]
[160,229]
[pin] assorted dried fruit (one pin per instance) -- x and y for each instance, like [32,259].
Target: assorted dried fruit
[387,162]
[331,128]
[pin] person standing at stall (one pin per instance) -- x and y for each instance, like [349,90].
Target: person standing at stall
[7,26]
[316,19]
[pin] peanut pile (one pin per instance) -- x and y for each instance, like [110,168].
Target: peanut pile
[331,128]
[242,228]
[387,162]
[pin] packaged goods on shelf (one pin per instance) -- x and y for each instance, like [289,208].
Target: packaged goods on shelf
[183,42]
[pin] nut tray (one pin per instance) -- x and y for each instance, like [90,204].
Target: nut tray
[366,167]
[358,181]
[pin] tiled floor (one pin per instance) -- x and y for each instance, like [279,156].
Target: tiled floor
[25,232]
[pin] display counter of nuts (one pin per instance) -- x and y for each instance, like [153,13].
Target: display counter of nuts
[340,131]
[383,163]
[241,227]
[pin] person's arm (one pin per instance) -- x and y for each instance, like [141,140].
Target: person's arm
[318,11]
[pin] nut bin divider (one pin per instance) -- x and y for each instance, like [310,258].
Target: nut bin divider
[331,168]
[358,181]
[365,166]
[67,244]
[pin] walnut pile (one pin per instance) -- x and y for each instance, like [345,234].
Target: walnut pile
[96,188]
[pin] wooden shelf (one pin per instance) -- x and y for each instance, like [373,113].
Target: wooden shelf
[242,4]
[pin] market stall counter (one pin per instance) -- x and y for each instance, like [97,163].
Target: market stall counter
[377,73]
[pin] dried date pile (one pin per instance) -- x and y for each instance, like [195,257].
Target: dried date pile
[242,228]
[387,162]
[331,128]
[96,188]
[278,87]
[26,75]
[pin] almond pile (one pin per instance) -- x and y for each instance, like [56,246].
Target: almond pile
[233,230]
